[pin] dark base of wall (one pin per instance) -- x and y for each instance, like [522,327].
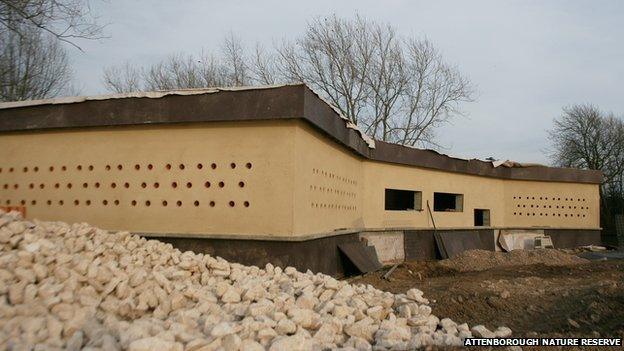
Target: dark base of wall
[317,255]
[322,255]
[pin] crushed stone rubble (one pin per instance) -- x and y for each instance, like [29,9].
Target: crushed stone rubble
[79,287]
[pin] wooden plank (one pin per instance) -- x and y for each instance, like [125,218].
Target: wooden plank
[363,257]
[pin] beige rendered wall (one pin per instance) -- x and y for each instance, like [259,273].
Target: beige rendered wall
[328,184]
[299,182]
[316,198]
[64,176]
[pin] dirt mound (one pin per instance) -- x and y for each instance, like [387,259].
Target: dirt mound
[480,260]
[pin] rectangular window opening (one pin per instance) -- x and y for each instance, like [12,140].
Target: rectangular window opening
[446,202]
[481,217]
[403,200]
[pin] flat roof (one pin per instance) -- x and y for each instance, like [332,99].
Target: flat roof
[280,102]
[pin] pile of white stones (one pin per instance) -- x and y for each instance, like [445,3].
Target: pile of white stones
[78,287]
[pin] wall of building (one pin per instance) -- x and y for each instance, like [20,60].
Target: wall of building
[328,184]
[562,205]
[245,179]
[218,178]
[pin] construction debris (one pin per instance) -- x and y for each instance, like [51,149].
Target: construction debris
[75,286]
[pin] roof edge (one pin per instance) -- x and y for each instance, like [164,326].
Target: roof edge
[291,101]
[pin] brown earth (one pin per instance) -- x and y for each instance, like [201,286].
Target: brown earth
[564,297]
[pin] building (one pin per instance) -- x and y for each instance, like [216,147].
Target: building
[270,174]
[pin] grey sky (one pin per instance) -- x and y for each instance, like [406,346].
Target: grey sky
[526,58]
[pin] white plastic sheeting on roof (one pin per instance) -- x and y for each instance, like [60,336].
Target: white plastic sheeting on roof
[159,94]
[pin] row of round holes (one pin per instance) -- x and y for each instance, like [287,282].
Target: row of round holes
[546,214]
[331,175]
[126,185]
[557,206]
[546,198]
[133,203]
[330,190]
[168,166]
[333,206]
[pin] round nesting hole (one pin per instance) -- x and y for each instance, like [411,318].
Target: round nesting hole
[25,169]
[49,202]
[137,167]
[213,166]
[85,185]
[207,184]
[51,169]
[90,167]
[108,167]
[88,202]
[241,184]
[150,166]
[15,186]
[97,184]
[179,203]
[246,203]
[212,204]
[164,203]
[69,185]
[31,186]
[200,166]
[181,166]
[133,203]
[113,185]
[33,202]
[119,167]
[23,202]
[148,203]
[116,202]
[8,202]
[189,185]
[79,167]
[196,203]
[168,166]
[232,165]
[221,184]
[104,202]
[143,185]
[156,185]
[36,169]
[11,170]
[174,184]
[76,202]
[57,185]
[126,185]
[41,186]
[61,202]
[231,203]
[248,165]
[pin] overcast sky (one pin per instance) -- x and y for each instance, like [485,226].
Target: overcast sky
[527,59]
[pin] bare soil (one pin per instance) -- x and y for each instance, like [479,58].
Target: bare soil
[566,297]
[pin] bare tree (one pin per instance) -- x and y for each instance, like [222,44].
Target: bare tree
[333,57]
[123,79]
[33,65]
[234,59]
[586,137]
[395,89]
[263,67]
[65,20]
[181,71]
